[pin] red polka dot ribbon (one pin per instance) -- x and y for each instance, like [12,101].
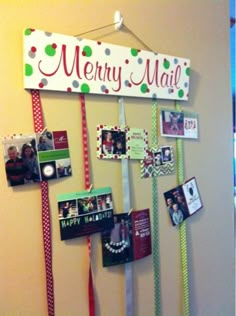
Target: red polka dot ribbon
[87,187]
[38,127]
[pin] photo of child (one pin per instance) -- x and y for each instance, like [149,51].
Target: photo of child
[107,142]
[179,124]
[16,170]
[117,242]
[113,142]
[45,142]
[30,161]
[172,123]
[183,201]
[67,209]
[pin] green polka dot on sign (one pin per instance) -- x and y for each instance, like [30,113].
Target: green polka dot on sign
[28,70]
[144,88]
[28,31]
[134,52]
[166,64]
[181,93]
[85,88]
[87,51]
[50,50]
[187,71]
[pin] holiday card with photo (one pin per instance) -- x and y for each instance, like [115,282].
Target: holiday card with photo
[159,161]
[36,157]
[183,201]
[115,142]
[178,124]
[85,213]
[128,240]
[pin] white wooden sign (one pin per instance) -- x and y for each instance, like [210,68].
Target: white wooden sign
[66,63]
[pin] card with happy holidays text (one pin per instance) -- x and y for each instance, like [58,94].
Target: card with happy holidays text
[84,213]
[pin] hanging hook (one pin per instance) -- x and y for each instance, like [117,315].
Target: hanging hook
[118,20]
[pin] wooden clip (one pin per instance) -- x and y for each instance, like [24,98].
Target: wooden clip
[90,188]
[44,130]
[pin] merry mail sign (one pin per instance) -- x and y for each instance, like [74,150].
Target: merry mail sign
[67,63]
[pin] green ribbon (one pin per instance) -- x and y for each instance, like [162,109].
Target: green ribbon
[183,227]
[155,228]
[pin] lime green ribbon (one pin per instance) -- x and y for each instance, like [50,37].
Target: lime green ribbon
[155,228]
[183,227]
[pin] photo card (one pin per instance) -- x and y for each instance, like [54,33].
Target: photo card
[128,240]
[85,213]
[159,161]
[115,142]
[178,124]
[183,201]
[36,157]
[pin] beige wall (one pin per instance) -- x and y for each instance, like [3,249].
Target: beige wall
[197,30]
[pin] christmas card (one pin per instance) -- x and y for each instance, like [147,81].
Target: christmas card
[178,124]
[85,213]
[36,157]
[183,201]
[159,161]
[115,142]
[128,240]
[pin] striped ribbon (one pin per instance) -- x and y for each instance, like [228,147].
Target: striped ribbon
[183,227]
[155,228]
[87,187]
[126,207]
[38,127]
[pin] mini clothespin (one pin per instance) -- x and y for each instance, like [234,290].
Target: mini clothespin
[130,211]
[44,130]
[90,188]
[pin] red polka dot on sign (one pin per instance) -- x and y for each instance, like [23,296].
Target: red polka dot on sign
[54,45]
[33,49]
[126,61]
[41,85]
[69,89]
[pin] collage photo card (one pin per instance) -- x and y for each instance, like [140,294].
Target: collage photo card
[36,157]
[115,142]
[178,124]
[128,240]
[85,213]
[183,201]
[159,161]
